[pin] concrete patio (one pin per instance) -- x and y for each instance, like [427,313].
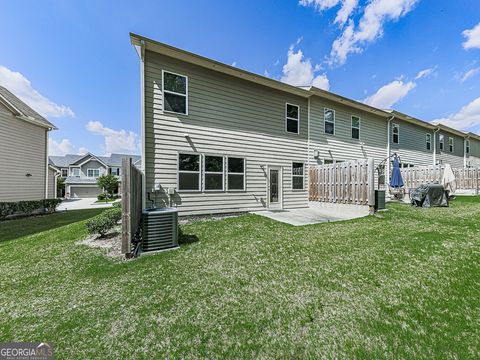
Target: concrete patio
[316,213]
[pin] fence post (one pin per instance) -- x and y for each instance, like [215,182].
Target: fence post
[371,185]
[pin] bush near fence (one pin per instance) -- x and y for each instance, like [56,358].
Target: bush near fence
[27,208]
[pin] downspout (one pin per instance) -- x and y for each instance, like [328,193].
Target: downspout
[387,165]
[465,150]
[46,163]
[141,54]
[435,146]
[308,145]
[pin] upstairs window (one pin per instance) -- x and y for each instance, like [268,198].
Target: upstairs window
[235,173]
[298,176]
[395,133]
[75,172]
[114,171]
[467,146]
[175,93]
[292,118]
[450,144]
[355,127]
[213,173]
[429,141]
[441,140]
[188,172]
[329,121]
[64,173]
[93,173]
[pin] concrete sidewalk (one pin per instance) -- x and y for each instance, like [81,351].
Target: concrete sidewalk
[316,213]
[80,204]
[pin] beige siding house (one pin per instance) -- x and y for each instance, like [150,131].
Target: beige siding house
[218,139]
[23,150]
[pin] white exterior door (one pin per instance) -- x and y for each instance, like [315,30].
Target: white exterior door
[275,188]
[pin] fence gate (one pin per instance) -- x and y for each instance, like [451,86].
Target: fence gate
[131,203]
[350,182]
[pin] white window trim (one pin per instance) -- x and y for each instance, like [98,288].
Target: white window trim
[63,171]
[359,127]
[325,121]
[174,93]
[290,118]
[467,146]
[73,168]
[441,142]
[93,176]
[398,132]
[303,176]
[244,173]
[199,172]
[213,173]
[428,141]
[453,144]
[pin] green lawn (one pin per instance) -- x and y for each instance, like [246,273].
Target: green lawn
[403,284]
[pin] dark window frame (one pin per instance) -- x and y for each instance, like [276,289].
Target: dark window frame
[186,96]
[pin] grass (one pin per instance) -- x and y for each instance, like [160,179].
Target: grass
[402,284]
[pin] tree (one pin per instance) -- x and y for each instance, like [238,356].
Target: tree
[108,183]
[60,186]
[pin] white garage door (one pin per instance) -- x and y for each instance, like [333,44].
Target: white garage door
[84,192]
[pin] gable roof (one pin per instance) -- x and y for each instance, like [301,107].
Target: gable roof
[22,110]
[114,160]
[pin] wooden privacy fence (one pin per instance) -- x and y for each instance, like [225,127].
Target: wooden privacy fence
[131,203]
[466,178]
[351,182]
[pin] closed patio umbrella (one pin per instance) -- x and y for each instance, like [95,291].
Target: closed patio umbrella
[396,180]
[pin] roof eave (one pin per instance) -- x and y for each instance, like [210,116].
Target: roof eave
[170,51]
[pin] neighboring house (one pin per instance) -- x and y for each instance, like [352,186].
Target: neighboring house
[219,139]
[24,172]
[82,171]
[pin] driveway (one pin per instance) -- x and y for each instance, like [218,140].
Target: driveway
[79,204]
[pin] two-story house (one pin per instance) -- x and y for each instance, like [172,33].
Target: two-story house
[24,170]
[220,139]
[81,171]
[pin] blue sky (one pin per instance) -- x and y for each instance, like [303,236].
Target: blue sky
[73,62]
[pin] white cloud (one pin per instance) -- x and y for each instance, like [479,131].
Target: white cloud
[425,73]
[347,8]
[234,64]
[390,94]
[82,151]
[370,27]
[116,141]
[468,118]
[470,73]
[60,148]
[299,71]
[22,87]
[472,38]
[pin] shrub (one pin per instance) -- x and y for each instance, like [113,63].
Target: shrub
[117,204]
[27,207]
[104,222]
[102,196]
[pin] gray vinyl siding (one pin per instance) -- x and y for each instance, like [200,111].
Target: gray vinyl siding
[51,184]
[474,157]
[455,158]
[341,146]
[93,164]
[22,151]
[412,146]
[227,116]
